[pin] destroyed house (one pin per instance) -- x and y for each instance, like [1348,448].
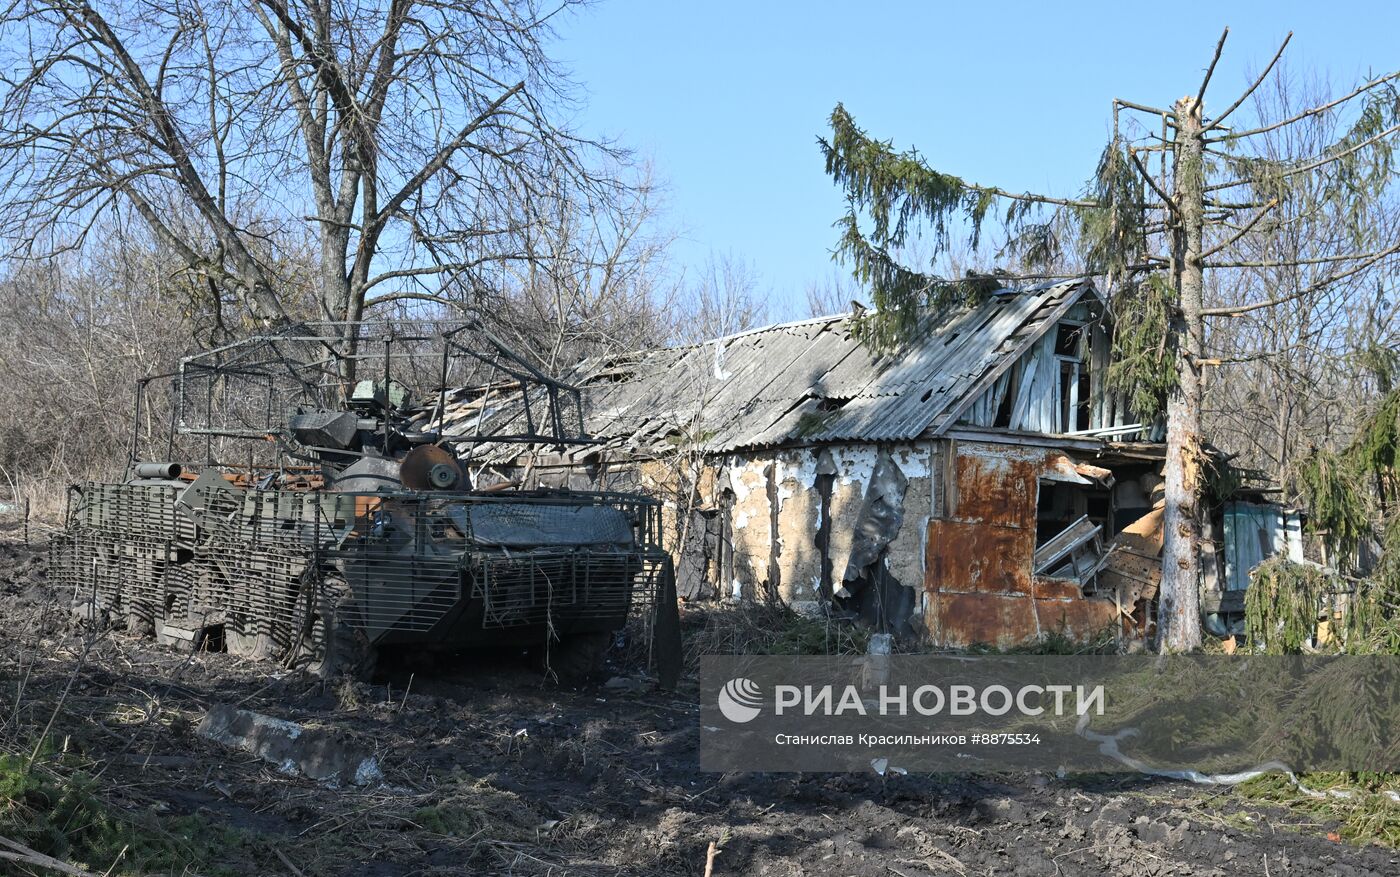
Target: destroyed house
[980,484]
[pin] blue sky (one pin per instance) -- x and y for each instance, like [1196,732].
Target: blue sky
[727,98]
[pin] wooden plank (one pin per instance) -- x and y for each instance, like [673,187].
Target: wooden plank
[999,390]
[1048,384]
[1020,411]
[1135,566]
[1063,543]
[951,415]
[1072,418]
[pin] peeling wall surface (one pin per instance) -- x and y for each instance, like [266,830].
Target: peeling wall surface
[799,510]
[934,536]
[751,538]
[978,579]
[905,555]
[810,524]
[853,467]
[874,530]
[804,525]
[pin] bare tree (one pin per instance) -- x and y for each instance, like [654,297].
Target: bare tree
[834,294]
[594,280]
[1176,193]
[1296,372]
[723,297]
[74,334]
[411,142]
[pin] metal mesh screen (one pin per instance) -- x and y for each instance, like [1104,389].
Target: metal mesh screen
[402,561]
[120,548]
[517,591]
[255,561]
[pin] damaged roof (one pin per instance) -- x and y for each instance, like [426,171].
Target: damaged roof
[803,382]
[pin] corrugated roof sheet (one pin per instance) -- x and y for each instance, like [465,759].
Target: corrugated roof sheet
[808,381]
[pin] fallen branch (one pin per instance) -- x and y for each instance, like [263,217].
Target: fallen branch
[62,699]
[288,862]
[18,852]
[710,859]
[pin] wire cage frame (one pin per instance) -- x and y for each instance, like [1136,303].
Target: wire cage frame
[228,405]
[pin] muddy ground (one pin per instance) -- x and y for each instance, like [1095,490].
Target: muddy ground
[488,769]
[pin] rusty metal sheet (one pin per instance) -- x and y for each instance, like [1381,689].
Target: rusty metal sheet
[1081,618]
[978,572]
[1051,588]
[998,485]
[969,556]
[1007,620]
[1130,577]
[962,620]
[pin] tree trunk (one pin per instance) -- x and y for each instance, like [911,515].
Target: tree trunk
[336,291]
[1179,609]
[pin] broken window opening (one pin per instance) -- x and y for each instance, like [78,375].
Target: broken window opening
[1073,392]
[1075,553]
[1083,415]
[1003,415]
[1061,504]
[1068,339]
[1072,521]
[1097,508]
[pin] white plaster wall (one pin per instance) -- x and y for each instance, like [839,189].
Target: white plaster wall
[799,507]
[749,522]
[799,520]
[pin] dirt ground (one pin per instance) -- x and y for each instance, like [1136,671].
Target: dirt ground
[488,769]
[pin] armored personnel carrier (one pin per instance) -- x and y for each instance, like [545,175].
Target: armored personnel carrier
[305,502]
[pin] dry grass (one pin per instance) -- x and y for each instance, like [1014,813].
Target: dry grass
[43,500]
[1360,806]
[765,629]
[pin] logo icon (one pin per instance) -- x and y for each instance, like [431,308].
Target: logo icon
[740,699]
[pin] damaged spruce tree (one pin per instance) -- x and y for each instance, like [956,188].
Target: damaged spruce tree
[1353,497]
[1154,236]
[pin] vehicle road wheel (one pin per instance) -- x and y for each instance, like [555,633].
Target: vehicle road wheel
[579,657]
[332,643]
